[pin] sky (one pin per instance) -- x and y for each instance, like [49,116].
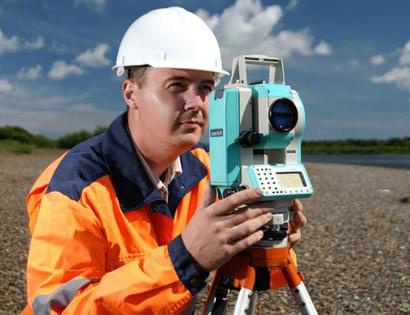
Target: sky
[349,60]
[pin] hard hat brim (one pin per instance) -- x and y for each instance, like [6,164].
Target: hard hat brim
[120,70]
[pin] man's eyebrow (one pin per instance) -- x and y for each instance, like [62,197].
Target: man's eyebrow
[177,78]
[209,81]
[182,78]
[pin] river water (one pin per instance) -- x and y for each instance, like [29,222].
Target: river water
[400,161]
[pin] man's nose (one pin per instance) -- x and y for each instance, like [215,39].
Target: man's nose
[193,99]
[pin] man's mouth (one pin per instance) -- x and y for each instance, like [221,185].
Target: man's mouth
[192,122]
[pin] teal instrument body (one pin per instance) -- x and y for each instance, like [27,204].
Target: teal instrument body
[255,134]
[224,130]
[255,138]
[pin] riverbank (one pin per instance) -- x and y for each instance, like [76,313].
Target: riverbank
[354,254]
[399,161]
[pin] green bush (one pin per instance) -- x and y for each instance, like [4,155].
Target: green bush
[41,141]
[19,140]
[70,140]
[16,133]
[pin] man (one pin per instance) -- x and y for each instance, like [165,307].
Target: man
[125,222]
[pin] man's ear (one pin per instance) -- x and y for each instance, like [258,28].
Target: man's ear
[128,94]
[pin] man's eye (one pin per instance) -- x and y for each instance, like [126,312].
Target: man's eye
[206,88]
[177,86]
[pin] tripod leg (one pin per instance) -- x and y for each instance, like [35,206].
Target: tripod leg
[303,300]
[252,304]
[298,289]
[217,296]
[243,301]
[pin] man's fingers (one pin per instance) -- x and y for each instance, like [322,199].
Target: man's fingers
[299,218]
[247,213]
[297,205]
[248,227]
[247,242]
[246,196]
[294,237]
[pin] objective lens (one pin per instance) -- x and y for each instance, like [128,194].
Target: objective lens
[283,115]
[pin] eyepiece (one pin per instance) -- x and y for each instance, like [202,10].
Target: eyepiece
[283,115]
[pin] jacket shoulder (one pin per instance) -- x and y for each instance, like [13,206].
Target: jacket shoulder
[79,168]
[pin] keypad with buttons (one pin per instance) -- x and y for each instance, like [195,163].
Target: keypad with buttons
[268,181]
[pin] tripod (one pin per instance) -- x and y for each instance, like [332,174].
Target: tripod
[249,272]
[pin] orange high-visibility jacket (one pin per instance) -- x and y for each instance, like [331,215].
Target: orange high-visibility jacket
[103,239]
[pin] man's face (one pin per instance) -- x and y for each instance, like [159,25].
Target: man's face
[171,108]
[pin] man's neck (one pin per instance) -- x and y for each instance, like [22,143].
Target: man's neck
[158,168]
[159,159]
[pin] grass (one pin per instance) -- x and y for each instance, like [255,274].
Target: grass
[16,147]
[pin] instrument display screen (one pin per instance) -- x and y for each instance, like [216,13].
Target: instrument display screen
[291,180]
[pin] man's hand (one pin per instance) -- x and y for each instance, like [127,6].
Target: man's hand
[299,221]
[220,230]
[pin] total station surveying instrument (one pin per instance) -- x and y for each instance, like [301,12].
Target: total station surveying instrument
[255,138]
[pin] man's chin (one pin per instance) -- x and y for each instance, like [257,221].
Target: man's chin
[188,141]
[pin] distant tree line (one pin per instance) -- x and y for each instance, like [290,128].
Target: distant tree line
[72,139]
[19,140]
[358,146]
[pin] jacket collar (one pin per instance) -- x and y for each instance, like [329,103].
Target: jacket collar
[132,184]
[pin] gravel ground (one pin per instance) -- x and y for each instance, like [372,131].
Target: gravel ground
[354,254]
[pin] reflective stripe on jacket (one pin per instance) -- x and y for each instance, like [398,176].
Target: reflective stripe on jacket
[103,239]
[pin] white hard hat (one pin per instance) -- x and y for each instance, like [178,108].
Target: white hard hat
[170,38]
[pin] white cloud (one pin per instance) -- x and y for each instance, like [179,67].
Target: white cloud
[5,86]
[377,60]
[89,58]
[60,69]
[292,5]
[285,43]
[32,73]
[405,55]
[212,21]
[323,48]
[14,43]
[82,108]
[398,76]
[95,5]
[35,44]
[10,44]
[94,57]
[247,27]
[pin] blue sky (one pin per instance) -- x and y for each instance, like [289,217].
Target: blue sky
[349,60]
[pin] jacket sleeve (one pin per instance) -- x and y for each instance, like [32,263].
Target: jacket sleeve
[66,271]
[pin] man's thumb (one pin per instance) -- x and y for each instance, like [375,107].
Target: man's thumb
[209,197]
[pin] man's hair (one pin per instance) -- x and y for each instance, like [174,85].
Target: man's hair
[137,73]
